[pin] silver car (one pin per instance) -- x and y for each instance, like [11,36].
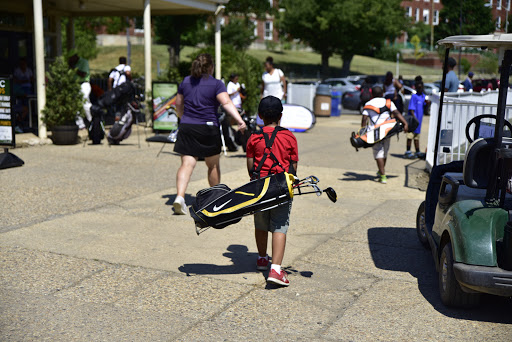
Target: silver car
[342,84]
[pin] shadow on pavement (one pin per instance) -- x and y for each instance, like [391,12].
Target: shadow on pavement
[354,176]
[398,250]
[189,199]
[242,262]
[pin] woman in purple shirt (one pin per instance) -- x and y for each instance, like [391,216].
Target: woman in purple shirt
[197,102]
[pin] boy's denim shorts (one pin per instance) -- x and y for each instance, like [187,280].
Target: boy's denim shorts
[275,220]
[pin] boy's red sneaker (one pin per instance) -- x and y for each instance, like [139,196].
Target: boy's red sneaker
[262,264]
[279,279]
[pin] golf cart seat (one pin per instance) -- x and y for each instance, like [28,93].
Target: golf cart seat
[472,182]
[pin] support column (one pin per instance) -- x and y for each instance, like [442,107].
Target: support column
[218,17]
[70,33]
[39,59]
[147,45]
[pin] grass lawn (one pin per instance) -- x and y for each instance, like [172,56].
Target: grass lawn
[297,64]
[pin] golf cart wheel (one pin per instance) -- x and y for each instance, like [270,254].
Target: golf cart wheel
[421,226]
[449,288]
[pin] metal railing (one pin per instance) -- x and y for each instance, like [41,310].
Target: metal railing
[458,110]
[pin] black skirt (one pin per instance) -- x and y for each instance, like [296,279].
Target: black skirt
[199,141]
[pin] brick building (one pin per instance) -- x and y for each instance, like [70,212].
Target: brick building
[428,11]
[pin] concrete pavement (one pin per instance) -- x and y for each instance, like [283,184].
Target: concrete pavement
[90,251]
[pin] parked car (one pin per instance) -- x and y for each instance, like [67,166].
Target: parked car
[342,84]
[352,100]
[431,89]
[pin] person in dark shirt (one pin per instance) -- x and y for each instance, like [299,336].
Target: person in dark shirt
[197,102]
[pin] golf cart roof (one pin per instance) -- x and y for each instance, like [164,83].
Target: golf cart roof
[496,40]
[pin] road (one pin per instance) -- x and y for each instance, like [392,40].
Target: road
[90,251]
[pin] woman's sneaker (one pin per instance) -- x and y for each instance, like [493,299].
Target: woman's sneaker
[180,208]
[279,279]
[262,264]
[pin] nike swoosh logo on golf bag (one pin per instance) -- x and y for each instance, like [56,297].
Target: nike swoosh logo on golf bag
[215,208]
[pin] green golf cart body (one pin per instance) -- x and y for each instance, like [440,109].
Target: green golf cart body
[466,219]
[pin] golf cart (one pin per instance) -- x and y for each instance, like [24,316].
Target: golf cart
[466,218]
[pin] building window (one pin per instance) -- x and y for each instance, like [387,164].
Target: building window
[417,14]
[408,12]
[490,3]
[271,3]
[498,6]
[507,5]
[426,18]
[436,17]
[222,21]
[269,30]
[498,23]
[436,1]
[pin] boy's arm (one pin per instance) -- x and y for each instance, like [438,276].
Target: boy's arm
[364,121]
[411,112]
[400,118]
[250,163]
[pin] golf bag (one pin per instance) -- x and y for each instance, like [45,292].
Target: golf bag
[367,137]
[121,129]
[96,128]
[219,206]
[121,94]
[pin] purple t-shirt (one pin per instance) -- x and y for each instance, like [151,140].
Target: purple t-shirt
[200,99]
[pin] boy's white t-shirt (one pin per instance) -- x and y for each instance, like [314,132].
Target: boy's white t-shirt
[375,119]
[273,84]
[117,76]
[233,88]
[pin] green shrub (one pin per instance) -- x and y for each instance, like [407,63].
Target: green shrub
[270,45]
[488,64]
[387,53]
[64,99]
[465,64]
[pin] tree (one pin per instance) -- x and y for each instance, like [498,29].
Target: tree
[365,24]
[238,33]
[421,30]
[173,30]
[313,23]
[346,27]
[476,18]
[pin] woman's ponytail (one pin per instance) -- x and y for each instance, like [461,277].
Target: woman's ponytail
[201,65]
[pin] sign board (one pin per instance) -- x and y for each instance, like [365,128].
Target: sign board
[6,115]
[165,117]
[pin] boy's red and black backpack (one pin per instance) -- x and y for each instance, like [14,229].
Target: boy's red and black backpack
[276,167]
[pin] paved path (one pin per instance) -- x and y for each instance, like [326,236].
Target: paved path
[90,251]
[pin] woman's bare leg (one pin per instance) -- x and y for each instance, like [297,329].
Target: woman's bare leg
[213,164]
[188,163]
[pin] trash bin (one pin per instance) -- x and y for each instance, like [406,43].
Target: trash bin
[323,100]
[335,102]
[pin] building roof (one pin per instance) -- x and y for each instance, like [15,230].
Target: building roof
[131,7]
[497,40]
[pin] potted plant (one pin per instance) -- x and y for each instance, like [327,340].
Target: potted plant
[64,101]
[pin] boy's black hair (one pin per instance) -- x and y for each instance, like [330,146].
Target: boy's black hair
[377,91]
[270,109]
[122,60]
[452,62]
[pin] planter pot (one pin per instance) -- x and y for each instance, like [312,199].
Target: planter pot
[65,135]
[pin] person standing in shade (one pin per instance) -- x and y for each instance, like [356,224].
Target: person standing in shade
[468,82]
[391,91]
[82,76]
[197,102]
[119,74]
[274,82]
[452,81]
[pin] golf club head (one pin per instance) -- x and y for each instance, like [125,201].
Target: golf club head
[331,194]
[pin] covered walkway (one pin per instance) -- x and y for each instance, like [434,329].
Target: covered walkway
[45,17]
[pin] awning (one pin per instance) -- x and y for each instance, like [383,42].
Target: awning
[490,41]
